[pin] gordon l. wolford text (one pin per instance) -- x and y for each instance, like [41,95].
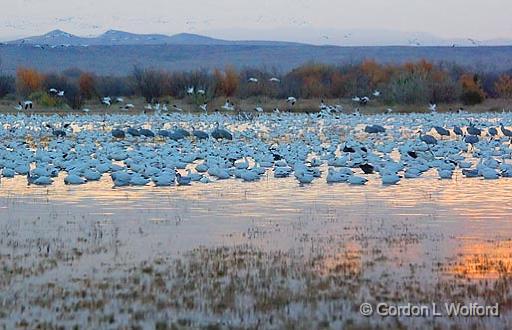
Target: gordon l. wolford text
[434,309]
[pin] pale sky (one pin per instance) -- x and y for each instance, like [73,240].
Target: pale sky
[263,19]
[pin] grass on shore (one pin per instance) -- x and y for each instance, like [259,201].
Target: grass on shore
[7,105]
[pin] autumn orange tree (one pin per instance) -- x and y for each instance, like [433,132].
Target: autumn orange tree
[28,81]
[503,86]
[472,92]
[338,86]
[227,82]
[313,79]
[375,73]
[87,86]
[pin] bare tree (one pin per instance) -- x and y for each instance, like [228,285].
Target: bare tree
[151,84]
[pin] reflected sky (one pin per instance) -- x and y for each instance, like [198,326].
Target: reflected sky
[420,220]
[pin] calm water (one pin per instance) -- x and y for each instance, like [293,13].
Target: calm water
[460,215]
[422,239]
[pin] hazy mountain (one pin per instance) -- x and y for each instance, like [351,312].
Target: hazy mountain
[55,37]
[282,36]
[116,52]
[115,37]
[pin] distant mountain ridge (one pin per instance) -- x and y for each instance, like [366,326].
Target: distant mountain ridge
[117,38]
[280,37]
[116,52]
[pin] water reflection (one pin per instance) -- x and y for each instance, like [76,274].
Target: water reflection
[454,208]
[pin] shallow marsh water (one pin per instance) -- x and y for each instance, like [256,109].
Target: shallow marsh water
[266,254]
[424,231]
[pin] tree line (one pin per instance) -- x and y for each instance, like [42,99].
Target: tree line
[408,83]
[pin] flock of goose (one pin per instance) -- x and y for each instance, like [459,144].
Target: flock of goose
[183,148]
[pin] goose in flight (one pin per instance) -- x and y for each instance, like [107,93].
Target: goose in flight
[474,42]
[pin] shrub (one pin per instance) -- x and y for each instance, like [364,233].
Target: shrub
[73,96]
[54,80]
[503,86]
[227,82]
[313,87]
[408,88]
[444,88]
[313,79]
[419,82]
[487,82]
[339,83]
[413,82]
[264,87]
[151,84]
[114,86]
[45,100]
[28,81]
[179,82]
[289,86]
[375,73]
[7,85]
[472,92]
[73,73]
[70,84]
[356,81]
[87,85]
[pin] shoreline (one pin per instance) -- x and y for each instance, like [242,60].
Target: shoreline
[268,105]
